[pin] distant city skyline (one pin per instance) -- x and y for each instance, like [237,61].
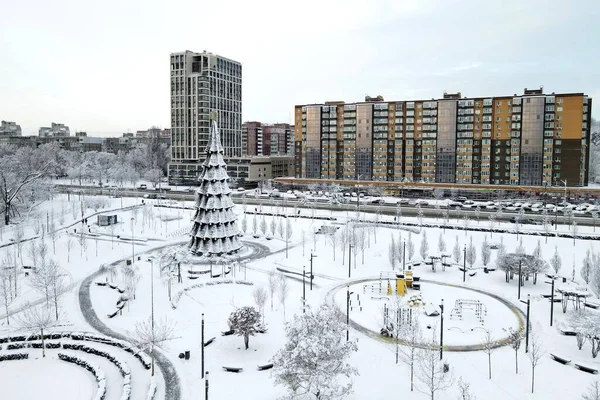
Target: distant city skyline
[101,67]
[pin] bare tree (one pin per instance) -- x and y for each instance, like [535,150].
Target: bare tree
[150,334]
[280,228]
[586,267]
[333,238]
[42,277]
[244,223]
[361,241]
[69,246]
[254,225]
[272,285]
[466,223]
[593,392]
[263,225]
[53,235]
[303,238]
[412,337]
[15,177]
[260,296]
[57,283]
[488,345]
[284,291]
[575,231]
[535,354]
[19,234]
[6,292]
[431,373]
[492,219]
[420,216]
[514,340]
[464,390]
[344,240]
[273,225]
[38,319]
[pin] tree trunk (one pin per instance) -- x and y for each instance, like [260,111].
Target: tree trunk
[532,379]
[516,361]
[7,214]
[412,375]
[490,364]
[246,340]
[43,343]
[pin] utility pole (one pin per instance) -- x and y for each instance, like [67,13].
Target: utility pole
[442,329]
[312,255]
[132,243]
[348,293]
[528,302]
[404,256]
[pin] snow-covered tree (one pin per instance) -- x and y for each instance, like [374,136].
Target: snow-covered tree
[420,216]
[315,356]
[464,390]
[392,256]
[546,223]
[593,392]
[595,218]
[260,296]
[471,253]
[410,246]
[37,318]
[273,285]
[486,252]
[466,223]
[254,225]
[514,340]
[595,281]
[537,252]
[520,248]
[424,248]
[333,239]
[283,291]
[412,337]
[529,265]
[456,251]
[586,268]
[575,231]
[431,375]
[244,223]
[263,225]
[535,354]
[245,321]
[441,243]
[555,261]
[150,334]
[361,242]
[6,287]
[488,345]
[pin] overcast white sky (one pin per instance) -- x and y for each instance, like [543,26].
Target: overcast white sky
[103,66]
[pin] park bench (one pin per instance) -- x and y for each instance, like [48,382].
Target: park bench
[265,367]
[101,283]
[561,360]
[586,369]
[233,369]
[567,332]
[592,305]
[416,286]
[227,333]
[209,341]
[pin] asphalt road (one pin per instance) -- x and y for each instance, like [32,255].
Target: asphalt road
[385,209]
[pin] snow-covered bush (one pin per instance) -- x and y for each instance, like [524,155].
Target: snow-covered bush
[177,296]
[95,370]
[152,389]
[15,356]
[121,365]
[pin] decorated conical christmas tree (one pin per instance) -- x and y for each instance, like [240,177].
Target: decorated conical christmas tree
[214,229]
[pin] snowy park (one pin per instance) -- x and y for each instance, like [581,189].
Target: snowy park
[130,298]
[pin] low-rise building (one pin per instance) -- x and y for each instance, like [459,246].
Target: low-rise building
[9,128]
[55,130]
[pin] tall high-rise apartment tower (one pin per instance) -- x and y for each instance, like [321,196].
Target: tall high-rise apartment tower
[530,139]
[202,84]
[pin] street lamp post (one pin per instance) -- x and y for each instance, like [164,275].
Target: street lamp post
[404,256]
[465,263]
[348,293]
[312,255]
[442,329]
[202,345]
[151,259]
[519,290]
[551,302]
[303,289]
[528,302]
[132,243]
[206,387]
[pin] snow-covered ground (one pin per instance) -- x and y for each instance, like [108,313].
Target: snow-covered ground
[379,377]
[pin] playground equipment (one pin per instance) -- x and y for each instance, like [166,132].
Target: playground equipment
[403,316]
[476,306]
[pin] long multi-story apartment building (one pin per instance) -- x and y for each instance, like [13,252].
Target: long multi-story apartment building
[530,139]
[8,128]
[203,85]
[55,130]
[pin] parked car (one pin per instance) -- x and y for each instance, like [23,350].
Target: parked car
[143,186]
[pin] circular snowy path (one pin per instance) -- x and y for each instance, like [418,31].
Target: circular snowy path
[329,298]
